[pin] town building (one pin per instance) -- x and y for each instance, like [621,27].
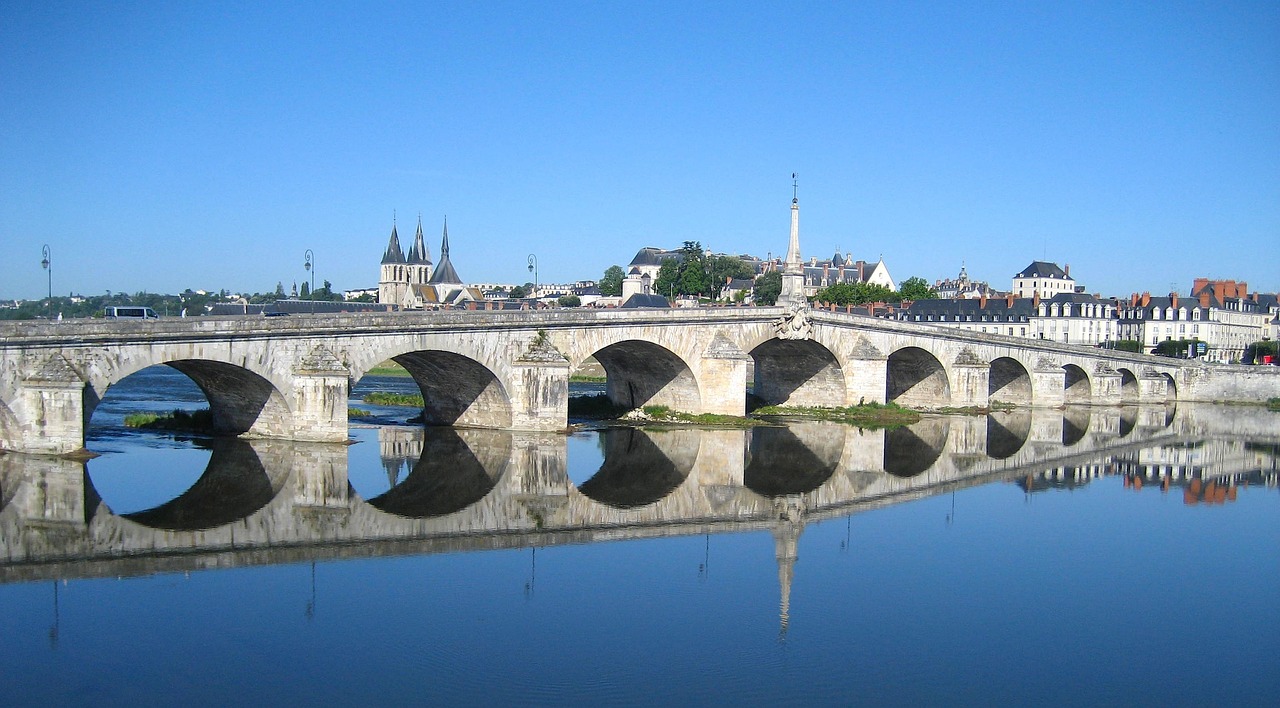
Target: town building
[1225,317]
[1070,318]
[1044,279]
[963,288]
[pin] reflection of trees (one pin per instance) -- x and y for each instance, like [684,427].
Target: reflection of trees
[233,486]
[779,463]
[636,470]
[451,475]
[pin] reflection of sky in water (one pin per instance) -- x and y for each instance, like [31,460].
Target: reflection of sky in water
[892,605]
[986,596]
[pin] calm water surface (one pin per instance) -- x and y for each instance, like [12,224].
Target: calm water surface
[1137,564]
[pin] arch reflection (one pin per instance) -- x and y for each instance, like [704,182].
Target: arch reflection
[234,485]
[457,468]
[793,460]
[911,450]
[640,468]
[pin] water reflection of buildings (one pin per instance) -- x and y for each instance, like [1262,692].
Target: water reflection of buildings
[1208,471]
[261,501]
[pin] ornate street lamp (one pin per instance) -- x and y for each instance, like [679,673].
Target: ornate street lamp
[309,264]
[47,264]
[533,268]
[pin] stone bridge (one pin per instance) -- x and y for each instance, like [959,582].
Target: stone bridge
[290,377]
[271,501]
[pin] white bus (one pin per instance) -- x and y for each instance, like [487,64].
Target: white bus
[130,313]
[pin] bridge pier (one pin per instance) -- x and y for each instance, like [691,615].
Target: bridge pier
[723,381]
[1106,386]
[970,383]
[540,391]
[1152,387]
[1048,384]
[321,387]
[51,407]
[865,379]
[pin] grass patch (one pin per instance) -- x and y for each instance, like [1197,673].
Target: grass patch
[358,413]
[381,398]
[200,421]
[585,378]
[388,368]
[1273,404]
[866,415]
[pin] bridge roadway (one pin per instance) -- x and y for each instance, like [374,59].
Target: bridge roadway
[270,501]
[290,377]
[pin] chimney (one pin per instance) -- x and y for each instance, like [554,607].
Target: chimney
[1204,298]
[1173,300]
[1035,299]
[1242,289]
[982,301]
[1198,285]
[1133,300]
[1009,300]
[1067,269]
[1146,299]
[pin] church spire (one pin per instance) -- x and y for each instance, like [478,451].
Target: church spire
[418,253]
[393,253]
[444,273]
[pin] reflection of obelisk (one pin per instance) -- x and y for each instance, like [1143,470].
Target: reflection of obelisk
[792,295]
[786,538]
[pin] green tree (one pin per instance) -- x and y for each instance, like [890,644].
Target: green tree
[668,278]
[768,287]
[916,288]
[518,293]
[1254,352]
[305,294]
[720,269]
[569,301]
[1126,345]
[1176,347]
[611,282]
[854,294]
[280,290]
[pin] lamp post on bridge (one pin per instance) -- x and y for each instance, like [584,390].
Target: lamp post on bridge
[309,263]
[47,263]
[533,268]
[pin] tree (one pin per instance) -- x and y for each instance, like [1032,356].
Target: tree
[611,282]
[518,293]
[854,294]
[668,278]
[916,288]
[306,291]
[569,301]
[720,269]
[768,288]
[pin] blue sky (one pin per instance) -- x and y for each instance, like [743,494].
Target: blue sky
[160,146]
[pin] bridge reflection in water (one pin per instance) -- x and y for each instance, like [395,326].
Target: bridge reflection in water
[269,501]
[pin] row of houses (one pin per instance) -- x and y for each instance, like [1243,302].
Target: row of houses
[1226,319]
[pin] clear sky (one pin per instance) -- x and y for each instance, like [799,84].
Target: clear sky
[164,145]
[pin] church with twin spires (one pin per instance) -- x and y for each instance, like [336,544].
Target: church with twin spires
[413,282]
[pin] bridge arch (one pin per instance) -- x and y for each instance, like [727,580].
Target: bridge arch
[798,372]
[1076,386]
[457,389]
[1171,387]
[241,400]
[1009,381]
[1128,386]
[910,450]
[916,378]
[640,373]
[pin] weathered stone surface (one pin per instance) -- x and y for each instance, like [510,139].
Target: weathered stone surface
[289,377]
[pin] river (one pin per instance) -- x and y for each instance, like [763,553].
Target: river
[1079,557]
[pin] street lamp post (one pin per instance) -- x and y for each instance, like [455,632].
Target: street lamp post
[533,268]
[309,264]
[47,264]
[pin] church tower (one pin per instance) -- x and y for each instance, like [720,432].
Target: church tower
[419,259]
[792,295]
[393,282]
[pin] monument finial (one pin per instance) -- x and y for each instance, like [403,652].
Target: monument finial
[795,188]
